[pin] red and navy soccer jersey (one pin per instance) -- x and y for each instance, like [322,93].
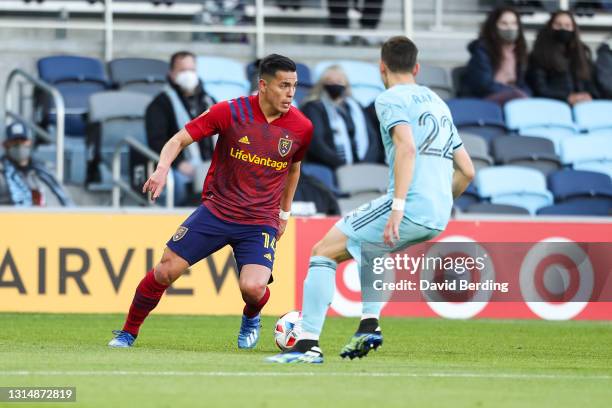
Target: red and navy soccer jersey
[252,158]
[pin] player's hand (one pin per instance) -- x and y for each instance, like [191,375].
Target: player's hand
[155,184]
[391,235]
[282,224]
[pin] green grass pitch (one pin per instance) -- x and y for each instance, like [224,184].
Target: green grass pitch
[192,361]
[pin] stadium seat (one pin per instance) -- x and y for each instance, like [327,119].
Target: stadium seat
[540,117]
[478,150]
[470,196]
[362,178]
[594,117]
[223,78]
[364,78]
[76,78]
[251,70]
[305,83]
[534,152]
[570,185]
[588,153]
[477,116]
[514,185]
[138,74]
[604,167]
[355,201]
[304,74]
[535,112]
[581,207]
[436,78]
[119,114]
[322,173]
[457,74]
[71,68]
[489,208]
[475,112]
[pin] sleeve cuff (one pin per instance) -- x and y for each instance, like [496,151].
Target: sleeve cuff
[192,129]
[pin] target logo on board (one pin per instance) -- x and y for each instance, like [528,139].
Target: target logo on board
[480,299]
[347,295]
[556,279]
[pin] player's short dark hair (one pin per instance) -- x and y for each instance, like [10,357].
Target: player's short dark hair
[180,55]
[273,63]
[399,54]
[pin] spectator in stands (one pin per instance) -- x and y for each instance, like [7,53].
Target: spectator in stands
[182,100]
[603,68]
[371,11]
[498,62]
[560,64]
[310,189]
[372,117]
[342,134]
[25,182]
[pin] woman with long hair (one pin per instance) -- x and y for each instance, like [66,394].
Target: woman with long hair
[560,64]
[496,69]
[342,132]
[603,68]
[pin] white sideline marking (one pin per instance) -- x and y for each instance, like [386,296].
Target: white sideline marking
[514,376]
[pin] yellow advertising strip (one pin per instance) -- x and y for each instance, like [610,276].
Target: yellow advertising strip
[92,262]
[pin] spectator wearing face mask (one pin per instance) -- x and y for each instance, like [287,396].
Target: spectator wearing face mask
[182,100]
[560,64]
[342,134]
[496,69]
[25,182]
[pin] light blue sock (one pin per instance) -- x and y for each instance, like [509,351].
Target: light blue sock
[371,309]
[319,287]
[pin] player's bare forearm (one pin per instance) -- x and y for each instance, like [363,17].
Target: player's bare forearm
[156,182]
[460,183]
[464,171]
[403,170]
[292,180]
[173,147]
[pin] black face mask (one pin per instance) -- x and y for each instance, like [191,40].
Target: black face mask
[335,90]
[563,36]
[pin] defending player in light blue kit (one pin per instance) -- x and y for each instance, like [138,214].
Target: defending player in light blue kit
[428,168]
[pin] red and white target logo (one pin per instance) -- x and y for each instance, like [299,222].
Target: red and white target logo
[347,295]
[556,279]
[459,310]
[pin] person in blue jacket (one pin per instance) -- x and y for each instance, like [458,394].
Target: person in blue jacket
[496,70]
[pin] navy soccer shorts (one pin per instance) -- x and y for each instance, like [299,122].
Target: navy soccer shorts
[202,234]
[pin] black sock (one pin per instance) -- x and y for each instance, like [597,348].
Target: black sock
[304,345]
[368,325]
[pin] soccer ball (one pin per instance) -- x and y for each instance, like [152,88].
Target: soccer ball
[284,337]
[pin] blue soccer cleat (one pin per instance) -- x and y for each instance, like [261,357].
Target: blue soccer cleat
[361,344]
[304,351]
[249,332]
[122,339]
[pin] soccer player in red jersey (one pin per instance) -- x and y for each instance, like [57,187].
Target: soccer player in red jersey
[246,198]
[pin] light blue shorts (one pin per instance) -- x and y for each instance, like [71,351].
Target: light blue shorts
[367,224]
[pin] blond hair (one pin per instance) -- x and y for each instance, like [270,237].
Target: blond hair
[317,89]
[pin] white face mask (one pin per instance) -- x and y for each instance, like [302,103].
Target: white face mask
[187,80]
[19,153]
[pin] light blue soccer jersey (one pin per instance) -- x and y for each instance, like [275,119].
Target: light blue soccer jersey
[430,198]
